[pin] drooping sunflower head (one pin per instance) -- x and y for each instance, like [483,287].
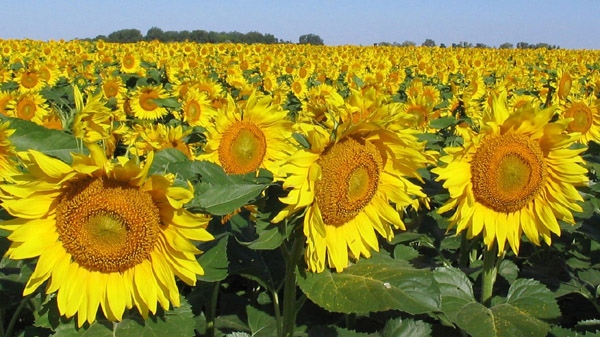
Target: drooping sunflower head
[249,135]
[347,184]
[106,234]
[518,175]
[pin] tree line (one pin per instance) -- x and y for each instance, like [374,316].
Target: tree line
[464,44]
[201,36]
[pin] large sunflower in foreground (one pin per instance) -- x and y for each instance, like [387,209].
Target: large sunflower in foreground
[249,135]
[7,153]
[518,175]
[106,234]
[347,186]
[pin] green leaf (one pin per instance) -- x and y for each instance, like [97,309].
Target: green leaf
[443,122]
[301,139]
[456,290]
[30,136]
[406,253]
[527,305]
[164,158]
[508,270]
[533,298]
[335,331]
[260,234]
[375,284]
[558,331]
[261,324]
[169,102]
[230,322]
[214,259]
[219,193]
[175,322]
[406,328]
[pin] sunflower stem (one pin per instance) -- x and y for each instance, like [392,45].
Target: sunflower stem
[212,310]
[276,308]
[490,271]
[289,290]
[464,253]
[16,315]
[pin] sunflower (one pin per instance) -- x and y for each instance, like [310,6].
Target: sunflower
[7,153]
[196,108]
[585,118]
[149,137]
[131,63]
[249,135]
[92,121]
[346,185]
[143,105]
[29,80]
[105,233]
[29,106]
[518,175]
[5,98]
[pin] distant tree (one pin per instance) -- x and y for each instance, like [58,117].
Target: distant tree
[462,44]
[310,39]
[506,45]
[481,45]
[200,36]
[408,43]
[442,45]
[523,45]
[155,33]
[428,43]
[125,35]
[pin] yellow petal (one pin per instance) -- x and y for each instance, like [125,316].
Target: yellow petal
[145,284]
[34,207]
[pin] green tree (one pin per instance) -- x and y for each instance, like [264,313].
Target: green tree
[125,35]
[310,39]
[428,43]
[155,33]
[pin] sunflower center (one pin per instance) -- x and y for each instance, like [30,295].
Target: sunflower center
[107,225]
[193,111]
[507,172]
[242,148]
[147,100]
[29,80]
[349,179]
[128,61]
[111,89]
[106,230]
[582,117]
[26,109]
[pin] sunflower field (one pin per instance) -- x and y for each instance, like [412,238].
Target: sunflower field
[183,189]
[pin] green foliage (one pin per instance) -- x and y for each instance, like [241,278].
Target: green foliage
[175,322]
[30,136]
[310,39]
[376,284]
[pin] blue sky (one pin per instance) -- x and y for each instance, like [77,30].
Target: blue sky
[569,24]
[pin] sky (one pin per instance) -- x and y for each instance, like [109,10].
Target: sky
[568,24]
